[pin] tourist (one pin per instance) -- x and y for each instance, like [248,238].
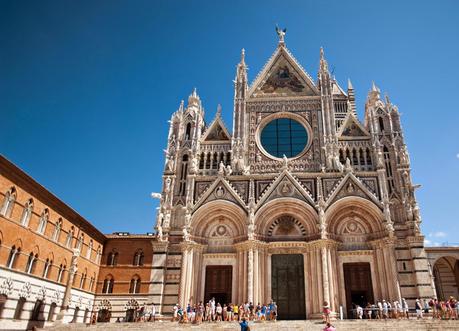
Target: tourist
[244,325]
[224,312]
[236,313]
[418,308]
[212,308]
[368,311]
[329,327]
[379,312]
[175,315]
[219,311]
[405,308]
[359,311]
[326,312]
[153,312]
[274,312]
[385,309]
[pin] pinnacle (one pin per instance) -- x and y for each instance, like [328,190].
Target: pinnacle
[349,84]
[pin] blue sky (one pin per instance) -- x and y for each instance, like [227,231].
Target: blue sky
[87,87]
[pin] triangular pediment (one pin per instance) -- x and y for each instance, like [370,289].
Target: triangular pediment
[282,76]
[285,186]
[352,128]
[350,185]
[220,189]
[216,131]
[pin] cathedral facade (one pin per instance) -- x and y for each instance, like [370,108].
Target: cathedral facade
[301,203]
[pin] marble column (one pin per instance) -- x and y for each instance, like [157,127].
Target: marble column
[325,278]
[189,276]
[306,276]
[182,292]
[268,277]
[68,287]
[256,278]
[250,275]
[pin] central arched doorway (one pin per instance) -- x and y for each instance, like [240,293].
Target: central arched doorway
[446,276]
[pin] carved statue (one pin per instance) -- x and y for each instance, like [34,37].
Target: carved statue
[348,166]
[167,220]
[246,170]
[281,33]
[258,157]
[337,164]
[221,169]
[187,219]
[159,221]
[284,162]
[159,233]
[229,170]
[170,163]
[167,186]
[194,165]
[404,158]
[186,234]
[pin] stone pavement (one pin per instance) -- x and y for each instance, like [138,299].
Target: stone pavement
[346,325]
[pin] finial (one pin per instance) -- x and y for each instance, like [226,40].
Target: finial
[243,56]
[323,62]
[386,97]
[281,34]
[373,87]
[194,92]
[349,84]
[181,105]
[321,52]
[219,110]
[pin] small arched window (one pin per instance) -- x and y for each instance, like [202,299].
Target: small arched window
[80,242]
[57,230]
[48,265]
[68,241]
[27,213]
[83,279]
[138,258]
[90,247]
[108,285]
[14,253]
[91,282]
[98,254]
[112,258]
[31,262]
[135,285]
[60,274]
[43,221]
[8,202]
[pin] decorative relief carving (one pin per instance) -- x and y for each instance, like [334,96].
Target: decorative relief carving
[25,290]
[7,287]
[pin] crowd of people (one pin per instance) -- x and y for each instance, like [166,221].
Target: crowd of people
[213,311]
[440,309]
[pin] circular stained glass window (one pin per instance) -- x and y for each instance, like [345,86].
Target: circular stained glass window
[284,136]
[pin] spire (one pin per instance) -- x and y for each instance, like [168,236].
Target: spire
[374,88]
[219,110]
[349,84]
[323,62]
[242,57]
[194,99]
[181,106]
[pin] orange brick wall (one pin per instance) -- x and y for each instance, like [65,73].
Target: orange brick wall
[124,271]
[27,238]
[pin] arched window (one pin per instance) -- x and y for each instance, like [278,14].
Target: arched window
[112,258]
[37,312]
[57,230]
[138,258]
[80,242]
[52,309]
[43,221]
[354,160]
[68,241]
[368,157]
[208,164]
[19,308]
[48,265]
[135,285]
[215,161]
[60,274]
[228,158]
[31,262]
[83,279]
[14,253]
[341,157]
[89,252]
[108,285]
[381,124]
[361,158]
[8,202]
[188,132]
[98,254]
[221,158]
[201,161]
[183,175]
[27,213]
[91,282]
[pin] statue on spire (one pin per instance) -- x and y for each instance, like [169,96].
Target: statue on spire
[281,33]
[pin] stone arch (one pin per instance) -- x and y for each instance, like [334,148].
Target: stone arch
[219,223]
[301,216]
[446,277]
[355,219]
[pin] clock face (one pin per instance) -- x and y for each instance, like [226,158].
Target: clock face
[284,136]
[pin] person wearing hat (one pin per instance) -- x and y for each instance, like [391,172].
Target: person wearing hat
[244,325]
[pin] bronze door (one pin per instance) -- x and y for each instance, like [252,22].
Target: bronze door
[218,283]
[288,285]
[358,285]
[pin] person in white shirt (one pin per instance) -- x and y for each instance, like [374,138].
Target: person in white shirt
[175,317]
[153,312]
[359,312]
[405,308]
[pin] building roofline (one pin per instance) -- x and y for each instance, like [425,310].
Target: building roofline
[26,182]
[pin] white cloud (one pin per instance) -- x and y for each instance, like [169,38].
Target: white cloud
[427,242]
[438,234]
[457,155]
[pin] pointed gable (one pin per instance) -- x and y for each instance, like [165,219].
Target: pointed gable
[216,131]
[220,189]
[350,185]
[285,186]
[282,76]
[352,128]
